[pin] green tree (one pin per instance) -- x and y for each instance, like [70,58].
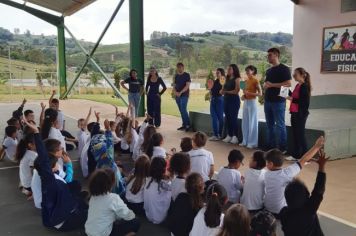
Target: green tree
[121,74]
[208,78]
[94,79]
[226,54]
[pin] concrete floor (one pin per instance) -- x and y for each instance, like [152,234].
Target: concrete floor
[338,204]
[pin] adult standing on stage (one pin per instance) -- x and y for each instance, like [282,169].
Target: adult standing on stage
[231,91]
[181,91]
[299,110]
[217,105]
[154,82]
[277,76]
[135,89]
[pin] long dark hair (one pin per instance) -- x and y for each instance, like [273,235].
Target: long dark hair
[306,77]
[22,147]
[155,141]
[215,197]
[236,72]
[157,171]
[149,74]
[222,71]
[50,117]
[236,221]
[142,170]
[131,71]
[192,185]
[147,135]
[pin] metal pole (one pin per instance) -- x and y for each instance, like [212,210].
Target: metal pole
[137,44]
[62,70]
[10,75]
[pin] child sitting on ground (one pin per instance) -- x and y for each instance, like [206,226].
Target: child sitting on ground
[186,144]
[155,148]
[26,156]
[230,177]
[263,223]
[236,221]
[209,219]
[300,217]
[108,214]
[83,135]
[143,141]
[9,144]
[61,210]
[180,167]
[202,161]
[186,206]
[136,184]
[277,178]
[254,186]
[129,136]
[157,193]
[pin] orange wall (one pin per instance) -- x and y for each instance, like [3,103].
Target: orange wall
[310,16]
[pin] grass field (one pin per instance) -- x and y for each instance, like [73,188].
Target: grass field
[169,107]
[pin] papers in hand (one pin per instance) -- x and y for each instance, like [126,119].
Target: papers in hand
[284,92]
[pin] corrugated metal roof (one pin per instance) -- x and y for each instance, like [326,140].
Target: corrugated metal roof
[66,7]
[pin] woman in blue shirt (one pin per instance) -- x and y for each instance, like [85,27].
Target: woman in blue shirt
[154,96]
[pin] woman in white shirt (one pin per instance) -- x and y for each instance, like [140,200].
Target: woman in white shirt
[108,214]
[209,219]
[157,193]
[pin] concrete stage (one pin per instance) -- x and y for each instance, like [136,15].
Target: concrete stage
[19,217]
[337,125]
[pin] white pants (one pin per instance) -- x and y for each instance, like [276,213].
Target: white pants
[250,123]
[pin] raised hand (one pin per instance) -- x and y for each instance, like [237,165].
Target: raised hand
[43,106]
[32,126]
[53,92]
[107,124]
[24,101]
[320,142]
[97,115]
[322,160]
[65,157]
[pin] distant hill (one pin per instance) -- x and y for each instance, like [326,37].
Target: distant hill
[200,51]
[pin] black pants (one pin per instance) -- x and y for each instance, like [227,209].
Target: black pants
[154,109]
[122,227]
[298,122]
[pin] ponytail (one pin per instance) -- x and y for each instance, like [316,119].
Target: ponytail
[23,146]
[216,198]
[155,141]
[307,80]
[50,117]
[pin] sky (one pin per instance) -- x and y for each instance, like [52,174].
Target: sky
[178,16]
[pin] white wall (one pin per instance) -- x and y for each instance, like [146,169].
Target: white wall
[310,16]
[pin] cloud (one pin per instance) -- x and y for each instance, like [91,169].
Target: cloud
[182,16]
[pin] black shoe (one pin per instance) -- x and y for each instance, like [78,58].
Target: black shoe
[181,128]
[187,129]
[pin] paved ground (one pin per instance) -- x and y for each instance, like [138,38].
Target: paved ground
[338,203]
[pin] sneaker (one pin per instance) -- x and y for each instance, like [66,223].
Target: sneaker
[242,145]
[234,140]
[214,138]
[181,128]
[227,139]
[290,158]
[251,147]
[187,128]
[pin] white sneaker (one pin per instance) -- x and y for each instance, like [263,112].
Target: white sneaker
[290,158]
[227,139]
[214,138]
[234,140]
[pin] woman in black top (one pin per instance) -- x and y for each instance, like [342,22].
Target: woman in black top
[299,109]
[154,96]
[217,105]
[231,102]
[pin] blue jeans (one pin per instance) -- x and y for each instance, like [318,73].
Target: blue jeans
[231,109]
[182,103]
[217,115]
[134,99]
[250,123]
[276,127]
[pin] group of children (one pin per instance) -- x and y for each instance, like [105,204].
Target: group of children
[179,190]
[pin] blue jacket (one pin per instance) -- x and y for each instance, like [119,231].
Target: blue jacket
[57,200]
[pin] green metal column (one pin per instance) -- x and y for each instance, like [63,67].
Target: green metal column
[61,60]
[137,43]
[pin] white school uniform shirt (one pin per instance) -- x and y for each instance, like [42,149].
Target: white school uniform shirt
[134,198]
[159,152]
[157,199]
[56,134]
[137,148]
[275,184]
[37,189]
[115,139]
[60,119]
[11,146]
[201,161]
[25,170]
[231,180]
[254,189]
[103,211]
[200,228]
[178,186]
[82,137]
[84,159]
[125,145]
